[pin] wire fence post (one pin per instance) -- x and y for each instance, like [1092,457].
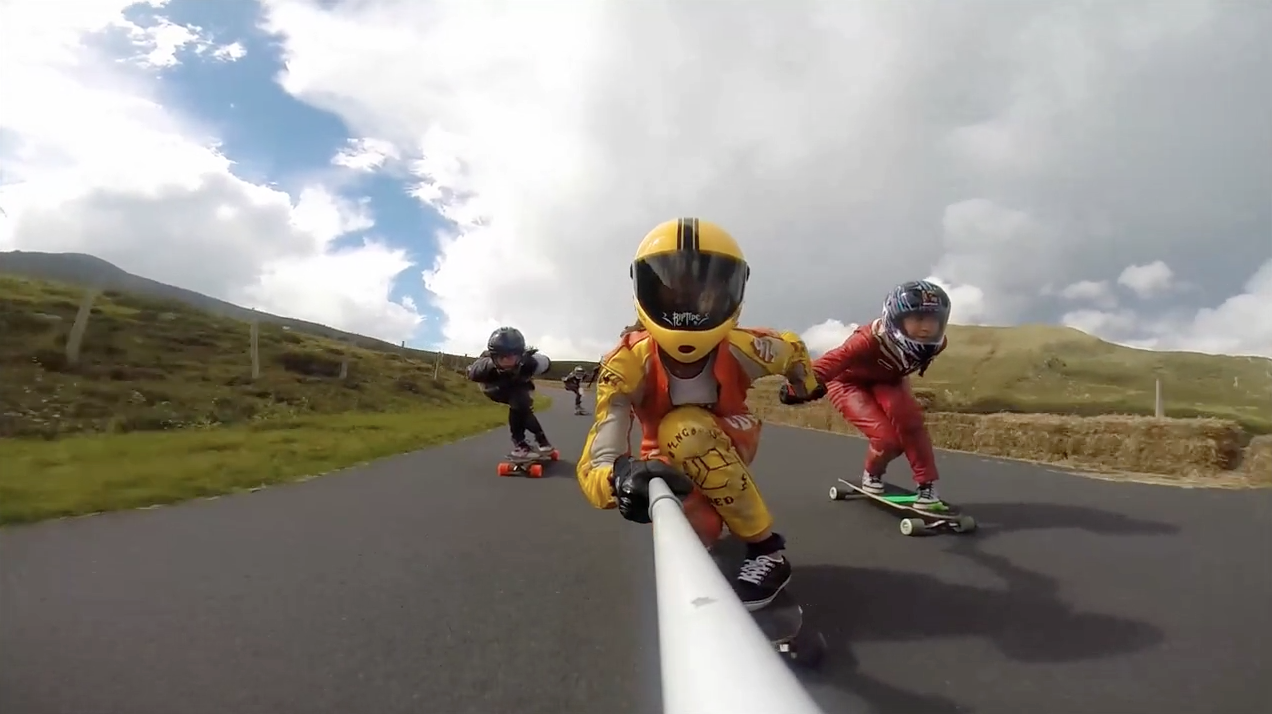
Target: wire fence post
[254,348]
[1159,409]
[75,340]
[705,634]
[437,366]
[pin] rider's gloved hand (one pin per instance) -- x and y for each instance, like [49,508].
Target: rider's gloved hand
[527,365]
[786,395]
[631,485]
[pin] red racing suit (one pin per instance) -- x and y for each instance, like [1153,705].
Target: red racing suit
[868,382]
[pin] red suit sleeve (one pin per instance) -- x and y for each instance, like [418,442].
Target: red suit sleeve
[834,363]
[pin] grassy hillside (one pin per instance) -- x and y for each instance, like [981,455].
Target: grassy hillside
[83,270]
[161,404]
[150,364]
[1059,370]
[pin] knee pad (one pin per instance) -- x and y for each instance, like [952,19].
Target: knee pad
[689,432]
[693,442]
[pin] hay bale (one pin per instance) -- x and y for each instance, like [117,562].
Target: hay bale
[1169,447]
[1177,448]
[1256,461]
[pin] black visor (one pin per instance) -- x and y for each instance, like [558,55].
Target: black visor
[689,291]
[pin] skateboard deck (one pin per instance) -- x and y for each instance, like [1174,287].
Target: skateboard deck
[914,521]
[531,466]
[782,622]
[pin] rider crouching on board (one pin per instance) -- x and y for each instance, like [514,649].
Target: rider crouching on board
[867,379]
[573,383]
[505,372]
[683,371]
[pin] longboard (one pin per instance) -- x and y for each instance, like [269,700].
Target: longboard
[782,622]
[914,521]
[531,466]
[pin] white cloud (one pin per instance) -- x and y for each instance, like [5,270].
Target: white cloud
[365,155]
[967,302]
[1239,325]
[158,43]
[1147,280]
[1100,322]
[827,335]
[91,161]
[1008,148]
[1092,291]
[232,52]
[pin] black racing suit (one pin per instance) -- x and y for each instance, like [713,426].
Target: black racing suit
[573,383]
[514,388]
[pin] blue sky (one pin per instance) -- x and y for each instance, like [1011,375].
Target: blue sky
[274,138]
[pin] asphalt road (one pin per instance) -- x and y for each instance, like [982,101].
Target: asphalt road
[425,583]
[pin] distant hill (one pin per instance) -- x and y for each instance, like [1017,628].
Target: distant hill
[1051,369]
[149,364]
[90,271]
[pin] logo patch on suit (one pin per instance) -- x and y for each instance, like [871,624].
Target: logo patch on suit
[609,376]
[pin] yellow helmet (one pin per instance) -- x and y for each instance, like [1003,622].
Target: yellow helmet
[689,278]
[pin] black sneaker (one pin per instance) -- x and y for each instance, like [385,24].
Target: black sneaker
[761,578]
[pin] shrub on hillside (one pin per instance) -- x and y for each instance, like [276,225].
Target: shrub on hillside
[310,364]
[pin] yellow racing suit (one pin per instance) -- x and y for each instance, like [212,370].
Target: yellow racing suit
[701,425]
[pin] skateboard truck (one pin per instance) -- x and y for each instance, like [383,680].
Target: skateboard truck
[531,466]
[782,622]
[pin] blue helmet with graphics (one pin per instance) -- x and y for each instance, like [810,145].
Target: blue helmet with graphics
[915,315]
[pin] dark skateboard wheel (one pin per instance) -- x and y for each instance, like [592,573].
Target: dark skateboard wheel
[809,650]
[805,651]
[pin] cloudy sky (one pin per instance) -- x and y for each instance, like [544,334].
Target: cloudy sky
[424,170]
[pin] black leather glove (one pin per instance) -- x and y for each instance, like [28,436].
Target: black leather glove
[631,485]
[785,394]
[527,365]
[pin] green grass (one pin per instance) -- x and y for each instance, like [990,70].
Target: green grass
[1058,370]
[105,472]
[162,406]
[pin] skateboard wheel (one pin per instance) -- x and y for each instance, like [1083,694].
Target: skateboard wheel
[834,493]
[965,524]
[809,650]
[912,526]
[536,470]
[556,455]
[505,469]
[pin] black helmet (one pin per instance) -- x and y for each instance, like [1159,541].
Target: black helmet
[506,341]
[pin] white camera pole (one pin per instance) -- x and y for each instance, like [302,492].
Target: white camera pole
[715,658]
